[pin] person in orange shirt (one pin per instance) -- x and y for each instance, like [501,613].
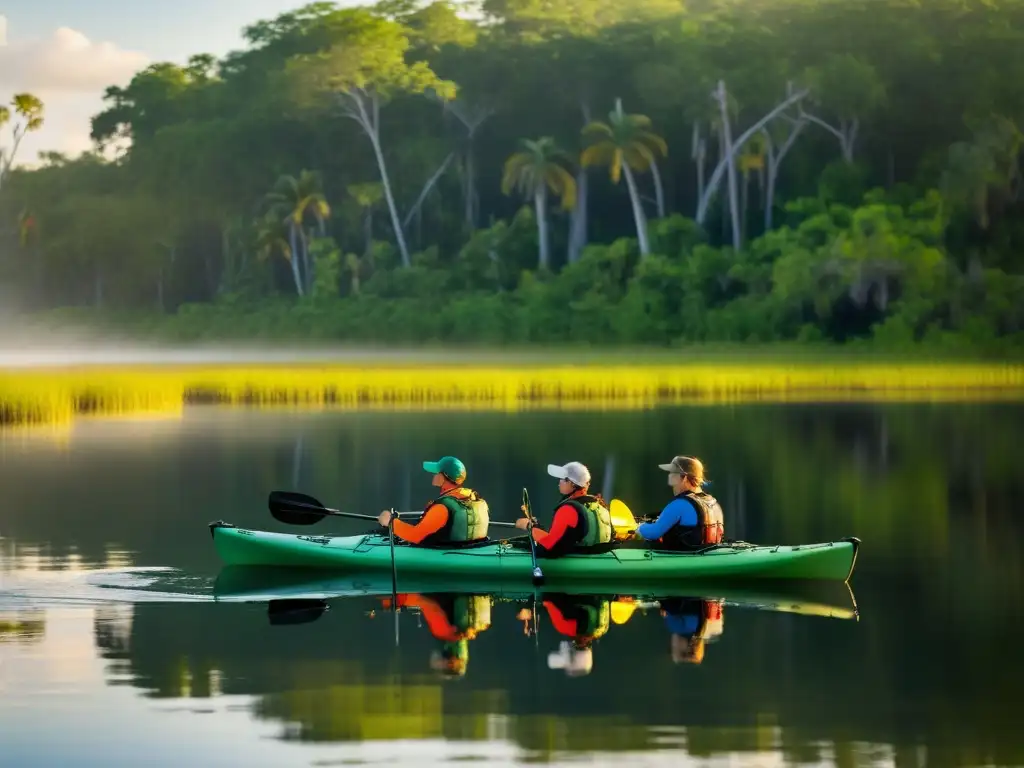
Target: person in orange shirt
[581,521]
[457,515]
[453,620]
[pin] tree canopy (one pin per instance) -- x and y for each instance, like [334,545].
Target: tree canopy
[826,170]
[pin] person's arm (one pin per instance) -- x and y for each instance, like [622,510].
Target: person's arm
[432,522]
[559,621]
[676,512]
[565,518]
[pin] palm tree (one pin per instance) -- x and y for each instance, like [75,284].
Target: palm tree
[271,238]
[294,200]
[366,197]
[752,159]
[626,145]
[30,109]
[539,168]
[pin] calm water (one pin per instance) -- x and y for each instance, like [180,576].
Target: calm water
[113,652]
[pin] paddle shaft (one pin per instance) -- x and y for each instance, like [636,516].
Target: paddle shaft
[394,571]
[356,516]
[538,574]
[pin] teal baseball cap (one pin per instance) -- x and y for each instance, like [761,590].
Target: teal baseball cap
[448,466]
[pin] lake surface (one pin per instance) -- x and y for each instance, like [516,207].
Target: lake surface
[113,652]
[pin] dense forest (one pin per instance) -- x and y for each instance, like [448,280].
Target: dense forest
[513,171]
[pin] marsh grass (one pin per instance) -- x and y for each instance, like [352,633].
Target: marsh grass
[34,396]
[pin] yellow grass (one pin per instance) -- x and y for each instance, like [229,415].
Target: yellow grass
[52,395]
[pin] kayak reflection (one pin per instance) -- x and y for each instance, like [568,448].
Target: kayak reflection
[579,619]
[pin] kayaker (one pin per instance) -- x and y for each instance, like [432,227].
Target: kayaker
[691,622]
[453,620]
[692,519]
[458,514]
[583,619]
[581,522]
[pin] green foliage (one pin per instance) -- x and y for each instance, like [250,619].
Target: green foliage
[277,173]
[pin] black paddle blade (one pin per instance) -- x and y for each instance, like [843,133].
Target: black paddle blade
[295,611]
[295,508]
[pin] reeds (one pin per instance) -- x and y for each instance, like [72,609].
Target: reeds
[60,394]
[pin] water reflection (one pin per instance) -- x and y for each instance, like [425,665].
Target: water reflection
[930,674]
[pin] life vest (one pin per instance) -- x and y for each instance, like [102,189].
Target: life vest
[468,615]
[592,616]
[595,521]
[450,618]
[468,517]
[708,614]
[710,527]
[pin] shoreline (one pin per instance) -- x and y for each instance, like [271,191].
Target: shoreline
[65,389]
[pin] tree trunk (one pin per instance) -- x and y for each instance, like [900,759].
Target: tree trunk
[368,230]
[744,205]
[578,227]
[540,211]
[371,126]
[775,159]
[470,189]
[716,175]
[698,153]
[293,242]
[426,189]
[638,212]
[307,260]
[730,159]
[659,191]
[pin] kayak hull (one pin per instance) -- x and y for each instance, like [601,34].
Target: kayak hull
[827,561]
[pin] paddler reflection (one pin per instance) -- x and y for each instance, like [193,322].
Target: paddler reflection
[453,620]
[583,619]
[693,622]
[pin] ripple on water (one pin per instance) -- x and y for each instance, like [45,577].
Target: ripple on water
[37,589]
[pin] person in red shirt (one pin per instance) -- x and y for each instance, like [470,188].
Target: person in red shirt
[581,521]
[457,515]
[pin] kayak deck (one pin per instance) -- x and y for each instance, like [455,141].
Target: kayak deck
[510,559]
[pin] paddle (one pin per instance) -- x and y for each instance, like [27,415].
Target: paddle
[394,571]
[622,518]
[299,509]
[538,574]
[295,611]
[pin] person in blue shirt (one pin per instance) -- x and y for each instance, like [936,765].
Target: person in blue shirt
[692,519]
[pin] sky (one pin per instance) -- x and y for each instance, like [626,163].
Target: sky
[67,52]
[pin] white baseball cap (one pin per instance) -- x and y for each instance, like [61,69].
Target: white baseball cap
[574,661]
[573,471]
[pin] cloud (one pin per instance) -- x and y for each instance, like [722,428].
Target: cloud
[65,62]
[69,72]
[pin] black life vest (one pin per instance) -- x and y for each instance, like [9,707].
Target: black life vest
[710,527]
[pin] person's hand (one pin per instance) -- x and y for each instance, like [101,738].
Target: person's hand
[523,523]
[384,518]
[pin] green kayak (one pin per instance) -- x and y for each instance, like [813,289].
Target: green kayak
[510,559]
